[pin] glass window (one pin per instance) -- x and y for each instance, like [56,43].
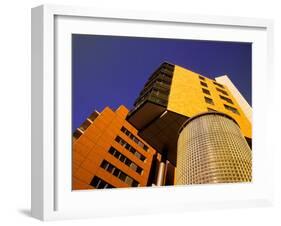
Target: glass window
[209,100]
[95,181]
[111,151]
[104,164]
[122,158]
[129,180]
[222,91]
[201,77]
[102,184]
[220,85]
[206,91]
[99,183]
[135,184]
[139,170]
[122,176]
[133,166]
[234,110]
[226,99]
[138,155]
[116,172]
[128,162]
[109,186]
[204,84]
[142,158]
[110,168]
[117,139]
[117,154]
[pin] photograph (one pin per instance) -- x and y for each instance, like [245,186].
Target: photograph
[150,112]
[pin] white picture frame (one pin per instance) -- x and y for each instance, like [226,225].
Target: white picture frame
[52,197]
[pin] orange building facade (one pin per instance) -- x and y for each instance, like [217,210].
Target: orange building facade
[108,153]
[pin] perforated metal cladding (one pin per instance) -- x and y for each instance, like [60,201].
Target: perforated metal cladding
[211,149]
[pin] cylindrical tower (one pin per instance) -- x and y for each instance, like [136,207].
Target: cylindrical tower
[212,149]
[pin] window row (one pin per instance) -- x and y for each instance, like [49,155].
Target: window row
[208,92]
[157,77]
[124,159]
[134,138]
[130,148]
[119,174]
[205,84]
[230,108]
[220,85]
[222,91]
[210,101]
[234,110]
[154,87]
[98,183]
[226,99]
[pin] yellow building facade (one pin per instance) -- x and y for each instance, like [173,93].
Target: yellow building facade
[192,93]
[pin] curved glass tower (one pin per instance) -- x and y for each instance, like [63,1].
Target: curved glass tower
[212,149]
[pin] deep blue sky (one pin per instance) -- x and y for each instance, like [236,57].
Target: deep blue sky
[111,70]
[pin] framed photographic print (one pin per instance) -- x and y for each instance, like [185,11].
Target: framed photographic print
[137,112]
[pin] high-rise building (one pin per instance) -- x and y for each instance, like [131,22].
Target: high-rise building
[184,129]
[108,153]
[171,96]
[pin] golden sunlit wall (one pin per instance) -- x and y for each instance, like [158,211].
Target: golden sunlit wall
[108,153]
[188,98]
